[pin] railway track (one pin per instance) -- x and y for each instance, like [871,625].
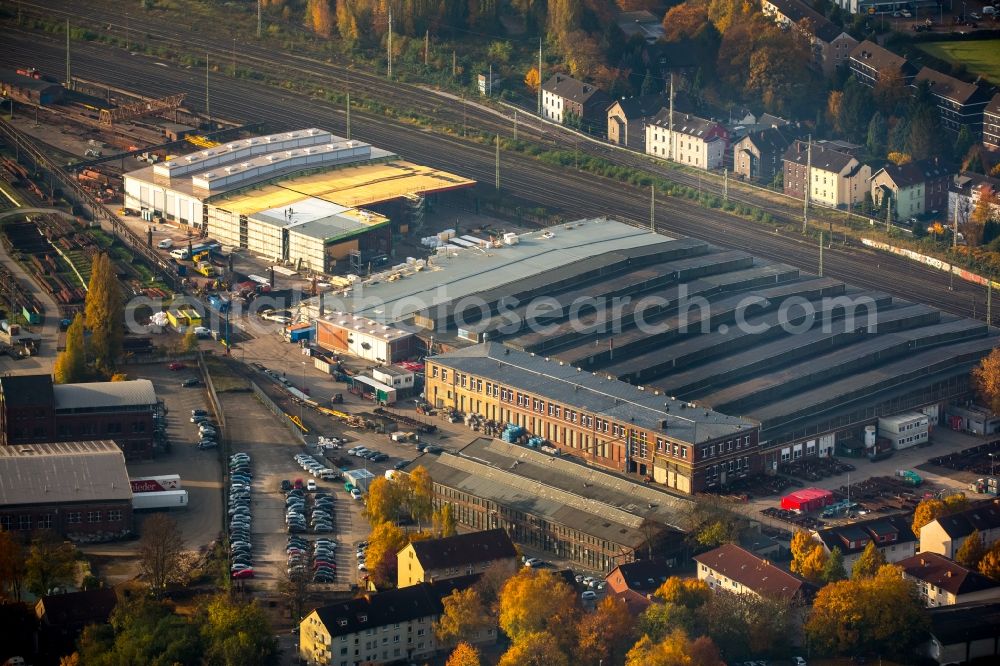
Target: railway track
[574,193]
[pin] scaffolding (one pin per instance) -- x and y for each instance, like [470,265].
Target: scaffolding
[149,107]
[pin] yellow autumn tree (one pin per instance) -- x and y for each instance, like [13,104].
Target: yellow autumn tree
[384,542]
[104,311]
[464,654]
[687,592]
[382,504]
[319,17]
[676,649]
[603,635]
[534,601]
[71,363]
[972,551]
[536,648]
[986,379]
[463,617]
[989,566]
[808,556]
[531,80]
[899,159]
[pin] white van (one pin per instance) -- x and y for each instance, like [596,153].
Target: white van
[179,253]
[165,244]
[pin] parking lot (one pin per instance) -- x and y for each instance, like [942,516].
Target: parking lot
[200,472]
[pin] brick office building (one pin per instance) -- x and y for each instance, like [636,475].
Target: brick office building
[604,421]
[33,410]
[79,490]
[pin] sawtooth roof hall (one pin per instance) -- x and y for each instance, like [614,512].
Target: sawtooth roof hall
[817,378]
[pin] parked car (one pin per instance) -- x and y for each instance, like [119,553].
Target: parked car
[532,562]
[286,485]
[176,365]
[588,595]
[190,382]
[243,573]
[310,485]
[356,494]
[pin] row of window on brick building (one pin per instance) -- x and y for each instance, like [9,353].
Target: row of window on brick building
[27,521]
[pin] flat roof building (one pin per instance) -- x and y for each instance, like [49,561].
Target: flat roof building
[555,504]
[79,490]
[293,197]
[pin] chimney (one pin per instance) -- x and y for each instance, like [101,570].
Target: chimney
[948,573]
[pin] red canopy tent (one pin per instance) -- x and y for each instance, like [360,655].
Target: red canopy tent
[807,499]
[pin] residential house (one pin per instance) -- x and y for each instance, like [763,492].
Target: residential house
[627,119]
[944,582]
[696,141]
[964,633]
[641,576]
[904,186]
[945,535]
[831,44]
[433,560]
[758,156]
[878,67]
[387,627]
[964,192]
[567,100]
[991,123]
[892,535]
[837,179]
[635,603]
[960,104]
[732,569]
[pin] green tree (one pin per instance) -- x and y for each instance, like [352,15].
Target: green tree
[868,563]
[972,551]
[142,631]
[71,364]
[834,570]
[748,624]
[963,143]
[855,112]
[926,136]
[877,131]
[50,563]
[658,620]
[237,634]
[105,314]
[444,521]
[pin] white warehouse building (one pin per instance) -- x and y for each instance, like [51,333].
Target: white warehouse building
[905,430]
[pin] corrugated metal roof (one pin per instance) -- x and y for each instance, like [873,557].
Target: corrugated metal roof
[32,474]
[134,393]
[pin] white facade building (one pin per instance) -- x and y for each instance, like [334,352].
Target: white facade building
[694,142]
[904,430]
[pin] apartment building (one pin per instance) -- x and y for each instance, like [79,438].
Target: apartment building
[434,560]
[695,141]
[960,104]
[627,119]
[757,157]
[991,123]
[835,178]
[892,535]
[831,45]
[943,582]
[379,628]
[946,534]
[878,67]
[566,100]
[730,568]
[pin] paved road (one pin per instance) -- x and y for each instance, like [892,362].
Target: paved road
[576,194]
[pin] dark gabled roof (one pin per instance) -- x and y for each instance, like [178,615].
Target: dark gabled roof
[879,58]
[770,140]
[462,549]
[951,88]
[771,120]
[685,123]
[76,608]
[950,576]
[823,158]
[27,390]
[753,572]
[572,89]
[642,107]
[635,603]
[963,623]
[982,517]
[381,609]
[993,107]
[864,531]
[914,173]
[643,575]
[796,11]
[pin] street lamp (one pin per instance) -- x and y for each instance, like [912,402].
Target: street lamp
[992,461]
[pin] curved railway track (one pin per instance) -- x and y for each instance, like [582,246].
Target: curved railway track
[575,193]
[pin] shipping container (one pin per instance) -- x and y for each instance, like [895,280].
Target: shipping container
[167,499]
[152,484]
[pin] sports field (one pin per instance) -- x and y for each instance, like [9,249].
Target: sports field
[980,57]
